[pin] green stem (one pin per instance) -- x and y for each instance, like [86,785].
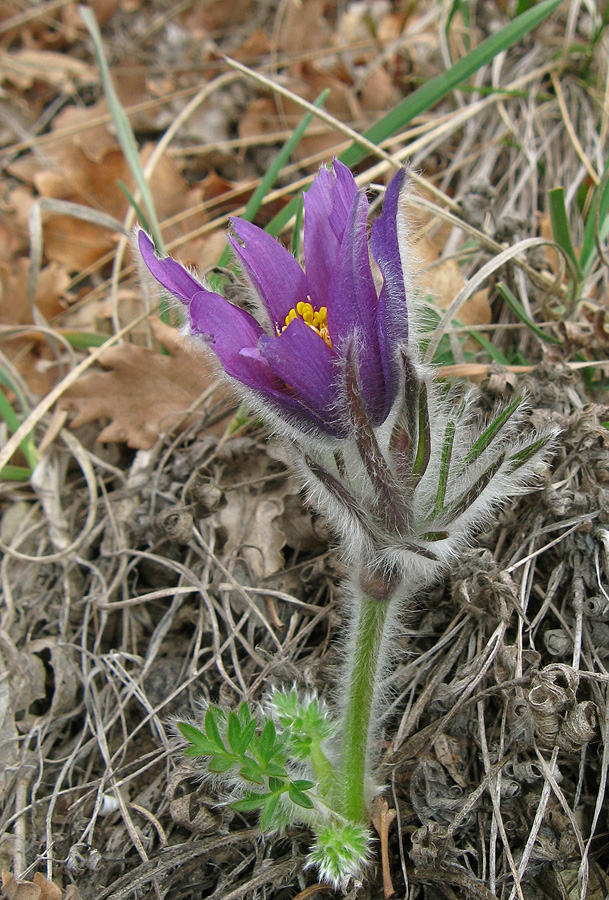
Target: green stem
[370,628]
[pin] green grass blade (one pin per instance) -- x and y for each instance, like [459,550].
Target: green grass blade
[15,473]
[124,132]
[137,209]
[597,223]
[426,96]
[519,310]
[12,422]
[11,384]
[255,201]
[494,352]
[561,229]
[83,340]
[297,225]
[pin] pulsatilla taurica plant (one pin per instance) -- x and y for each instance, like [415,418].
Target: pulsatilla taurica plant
[398,462]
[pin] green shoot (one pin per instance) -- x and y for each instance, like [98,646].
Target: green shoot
[491,432]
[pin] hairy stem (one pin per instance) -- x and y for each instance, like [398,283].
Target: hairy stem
[363,677]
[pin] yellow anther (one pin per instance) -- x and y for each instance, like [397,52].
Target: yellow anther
[315,319]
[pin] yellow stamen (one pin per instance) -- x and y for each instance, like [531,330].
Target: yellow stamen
[315,319]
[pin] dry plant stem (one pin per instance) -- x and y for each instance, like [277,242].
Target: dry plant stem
[362,681]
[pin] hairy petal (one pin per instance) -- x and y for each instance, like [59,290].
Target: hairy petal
[352,307]
[343,195]
[327,205]
[301,359]
[275,274]
[392,317]
[233,336]
[169,273]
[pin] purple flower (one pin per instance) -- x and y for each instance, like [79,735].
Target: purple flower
[316,318]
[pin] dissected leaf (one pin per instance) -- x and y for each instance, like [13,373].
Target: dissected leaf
[142,392]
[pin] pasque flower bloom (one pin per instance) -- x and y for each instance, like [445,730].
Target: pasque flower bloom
[403,469]
[401,464]
[294,359]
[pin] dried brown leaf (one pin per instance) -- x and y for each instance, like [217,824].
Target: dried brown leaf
[19,890]
[25,66]
[143,393]
[38,889]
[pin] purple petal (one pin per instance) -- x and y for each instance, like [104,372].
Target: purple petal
[233,336]
[352,309]
[169,273]
[392,318]
[343,195]
[302,359]
[275,274]
[327,205]
[225,327]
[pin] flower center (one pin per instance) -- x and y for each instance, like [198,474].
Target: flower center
[317,320]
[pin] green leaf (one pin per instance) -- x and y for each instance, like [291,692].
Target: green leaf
[245,714]
[299,798]
[523,456]
[275,770]
[494,352]
[192,734]
[82,340]
[211,728]
[219,764]
[252,771]
[469,497]
[491,432]
[15,473]
[277,784]
[234,732]
[201,745]
[519,310]
[432,536]
[250,801]
[561,229]
[268,813]
[424,440]
[267,741]
[302,784]
[13,422]
[447,449]
[247,734]
[135,206]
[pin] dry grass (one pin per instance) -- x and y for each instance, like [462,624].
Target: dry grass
[134,583]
